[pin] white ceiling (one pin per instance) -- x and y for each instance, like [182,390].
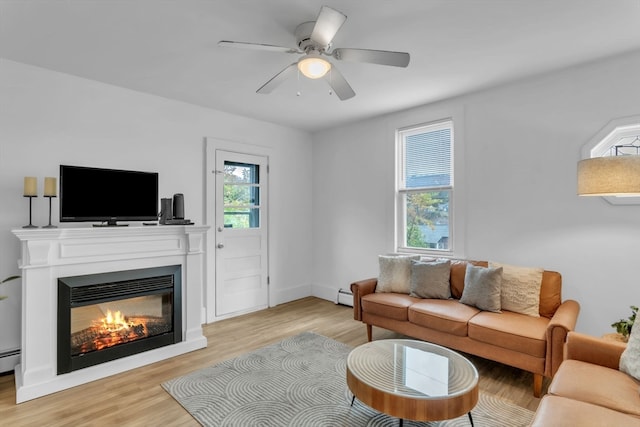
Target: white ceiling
[169,48]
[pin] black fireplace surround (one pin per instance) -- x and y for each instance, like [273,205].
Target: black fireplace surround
[152,294]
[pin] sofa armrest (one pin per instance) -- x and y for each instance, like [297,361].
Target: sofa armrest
[360,289]
[563,321]
[594,350]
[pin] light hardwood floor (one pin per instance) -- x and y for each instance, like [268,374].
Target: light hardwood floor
[135,398]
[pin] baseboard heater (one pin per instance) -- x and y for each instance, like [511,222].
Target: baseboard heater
[345,297]
[9,360]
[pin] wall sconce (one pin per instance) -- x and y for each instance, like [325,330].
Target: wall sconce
[609,176]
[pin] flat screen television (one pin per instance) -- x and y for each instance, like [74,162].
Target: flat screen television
[107,195]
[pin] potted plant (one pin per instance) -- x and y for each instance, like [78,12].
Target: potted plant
[623,326]
[7,280]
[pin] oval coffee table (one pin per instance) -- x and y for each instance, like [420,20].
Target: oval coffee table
[412,380]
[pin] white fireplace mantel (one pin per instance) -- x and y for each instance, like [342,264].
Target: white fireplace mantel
[47,254]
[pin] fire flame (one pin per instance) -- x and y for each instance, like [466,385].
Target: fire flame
[115,322]
[116,328]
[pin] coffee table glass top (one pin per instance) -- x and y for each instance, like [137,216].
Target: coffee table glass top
[412,369]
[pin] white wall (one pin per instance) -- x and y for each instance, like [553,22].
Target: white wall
[49,118]
[522,144]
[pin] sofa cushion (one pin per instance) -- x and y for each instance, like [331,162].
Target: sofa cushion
[598,385]
[512,331]
[395,273]
[391,305]
[550,293]
[430,279]
[630,357]
[442,315]
[482,288]
[520,291]
[562,412]
[458,271]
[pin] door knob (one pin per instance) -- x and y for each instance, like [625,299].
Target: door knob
[220,246]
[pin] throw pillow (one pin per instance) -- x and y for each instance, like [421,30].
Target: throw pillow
[630,358]
[482,288]
[520,290]
[430,279]
[395,273]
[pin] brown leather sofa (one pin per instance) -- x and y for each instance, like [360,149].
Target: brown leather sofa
[534,344]
[588,389]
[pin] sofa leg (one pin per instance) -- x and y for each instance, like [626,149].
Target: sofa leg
[369,332]
[537,385]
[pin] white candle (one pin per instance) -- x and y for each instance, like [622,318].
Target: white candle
[30,186]
[50,187]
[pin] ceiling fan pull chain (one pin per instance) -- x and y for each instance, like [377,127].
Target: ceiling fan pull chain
[298,93]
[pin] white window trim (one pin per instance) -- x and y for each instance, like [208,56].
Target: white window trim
[457,215]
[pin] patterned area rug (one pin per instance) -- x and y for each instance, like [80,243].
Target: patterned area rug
[301,381]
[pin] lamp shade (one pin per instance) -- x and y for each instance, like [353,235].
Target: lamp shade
[609,176]
[313,66]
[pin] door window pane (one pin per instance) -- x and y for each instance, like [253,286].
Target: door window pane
[241,173]
[241,195]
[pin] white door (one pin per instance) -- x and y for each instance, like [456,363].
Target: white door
[240,233]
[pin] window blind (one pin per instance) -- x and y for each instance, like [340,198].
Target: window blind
[427,154]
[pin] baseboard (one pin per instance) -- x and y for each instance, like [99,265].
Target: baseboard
[9,360]
[289,294]
[341,296]
[324,292]
[328,293]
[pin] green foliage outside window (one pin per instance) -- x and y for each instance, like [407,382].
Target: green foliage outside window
[425,209]
[239,195]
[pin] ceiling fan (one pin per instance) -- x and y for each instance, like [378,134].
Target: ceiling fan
[314,41]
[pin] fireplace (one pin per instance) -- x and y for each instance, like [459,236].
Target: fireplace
[51,253]
[107,316]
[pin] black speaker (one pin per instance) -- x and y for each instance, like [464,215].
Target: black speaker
[166,212]
[178,206]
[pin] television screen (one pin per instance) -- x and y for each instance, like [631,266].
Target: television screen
[107,195]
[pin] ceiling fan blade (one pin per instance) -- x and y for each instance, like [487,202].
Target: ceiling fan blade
[327,25]
[258,46]
[277,79]
[382,57]
[339,84]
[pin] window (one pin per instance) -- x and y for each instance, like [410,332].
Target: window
[241,195]
[425,187]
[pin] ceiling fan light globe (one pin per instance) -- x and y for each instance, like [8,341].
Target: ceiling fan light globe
[314,67]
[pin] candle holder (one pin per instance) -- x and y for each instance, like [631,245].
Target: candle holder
[49,226]
[30,225]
